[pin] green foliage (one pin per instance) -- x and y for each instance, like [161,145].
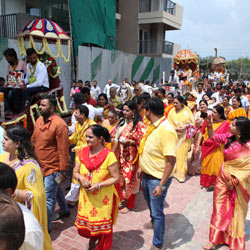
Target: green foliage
[205,64]
[239,69]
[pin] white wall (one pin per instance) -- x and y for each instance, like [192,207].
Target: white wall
[116,65]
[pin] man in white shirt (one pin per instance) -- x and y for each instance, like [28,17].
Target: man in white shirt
[244,99]
[95,90]
[33,239]
[125,92]
[219,95]
[173,78]
[80,100]
[109,85]
[199,94]
[36,80]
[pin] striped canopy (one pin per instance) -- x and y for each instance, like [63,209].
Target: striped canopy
[44,28]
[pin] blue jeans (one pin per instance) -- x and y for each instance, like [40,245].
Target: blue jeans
[54,193]
[156,206]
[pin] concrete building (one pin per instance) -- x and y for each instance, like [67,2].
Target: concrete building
[142,26]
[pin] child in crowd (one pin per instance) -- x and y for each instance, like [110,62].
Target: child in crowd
[74,90]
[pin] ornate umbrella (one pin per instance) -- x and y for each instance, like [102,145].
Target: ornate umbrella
[47,31]
[186,57]
[219,61]
[219,64]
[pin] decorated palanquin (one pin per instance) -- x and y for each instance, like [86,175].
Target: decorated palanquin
[218,71]
[49,33]
[186,65]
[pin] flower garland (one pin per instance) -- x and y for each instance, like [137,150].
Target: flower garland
[53,69]
[45,46]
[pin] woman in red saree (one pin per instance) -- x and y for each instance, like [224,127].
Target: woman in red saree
[97,171]
[232,188]
[212,152]
[130,131]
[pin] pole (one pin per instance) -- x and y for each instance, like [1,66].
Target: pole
[240,67]
[216,50]
[73,63]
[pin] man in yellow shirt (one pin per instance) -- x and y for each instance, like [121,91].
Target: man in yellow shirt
[157,159]
[78,138]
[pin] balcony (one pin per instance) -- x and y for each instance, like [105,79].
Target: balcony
[12,24]
[160,11]
[157,5]
[155,47]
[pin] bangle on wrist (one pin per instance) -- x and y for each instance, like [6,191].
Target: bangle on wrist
[97,186]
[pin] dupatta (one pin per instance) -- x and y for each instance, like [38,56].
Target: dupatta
[210,145]
[94,162]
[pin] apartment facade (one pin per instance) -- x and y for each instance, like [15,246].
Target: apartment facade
[142,26]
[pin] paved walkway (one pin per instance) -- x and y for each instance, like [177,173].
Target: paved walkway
[188,210]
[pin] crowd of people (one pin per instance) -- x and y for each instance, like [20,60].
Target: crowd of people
[121,140]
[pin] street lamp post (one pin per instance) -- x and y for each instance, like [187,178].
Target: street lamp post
[215,49]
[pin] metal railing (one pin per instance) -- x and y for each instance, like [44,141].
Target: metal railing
[155,47]
[8,26]
[157,5]
[12,24]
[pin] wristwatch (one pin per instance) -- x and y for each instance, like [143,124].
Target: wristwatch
[162,187]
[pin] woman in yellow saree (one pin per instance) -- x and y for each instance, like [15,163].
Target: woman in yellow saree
[232,188]
[181,118]
[30,188]
[212,152]
[237,110]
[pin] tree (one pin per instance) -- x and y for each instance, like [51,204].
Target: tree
[239,69]
[205,64]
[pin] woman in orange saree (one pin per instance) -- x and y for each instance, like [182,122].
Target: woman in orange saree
[212,152]
[170,105]
[237,110]
[232,188]
[130,131]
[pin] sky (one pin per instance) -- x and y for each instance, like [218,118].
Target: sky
[209,24]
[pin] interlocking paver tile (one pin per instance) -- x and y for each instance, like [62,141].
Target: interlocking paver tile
[187,208]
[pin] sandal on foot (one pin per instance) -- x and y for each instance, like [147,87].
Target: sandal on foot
[209,246]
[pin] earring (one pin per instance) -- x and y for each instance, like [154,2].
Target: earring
[16,152]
